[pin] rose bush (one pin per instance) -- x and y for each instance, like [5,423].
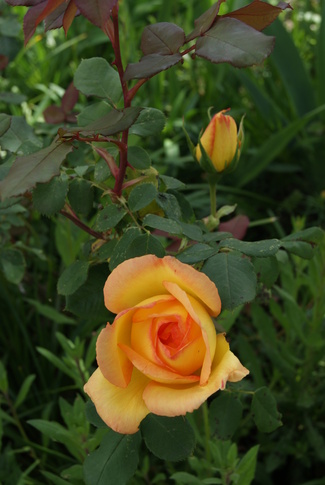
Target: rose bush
[162,353]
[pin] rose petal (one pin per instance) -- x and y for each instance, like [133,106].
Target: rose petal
[178,400]
[121,409]
[203,319]
[140,278]
[142,338]
[112,361]
[114,364]
[156,372]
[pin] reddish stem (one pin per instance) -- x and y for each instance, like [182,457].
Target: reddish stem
[123,165]
[79,223]
[118,58]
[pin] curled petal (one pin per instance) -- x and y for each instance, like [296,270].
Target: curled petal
[112,361]
[203,319]
[178,400]
[121,409]
[140,278]
[156,372]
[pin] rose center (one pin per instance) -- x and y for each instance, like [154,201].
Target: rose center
[170,335]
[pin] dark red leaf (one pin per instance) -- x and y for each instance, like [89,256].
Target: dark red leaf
[237,226]
[51,6]
[30,20]
[70,13]
[97,12]
[55,19]
[258,14]
[162,38]
[70,98]
[54,115]
[203,23]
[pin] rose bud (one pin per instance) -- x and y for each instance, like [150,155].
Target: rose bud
[220,142]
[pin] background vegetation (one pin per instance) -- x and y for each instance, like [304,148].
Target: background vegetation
[47,353]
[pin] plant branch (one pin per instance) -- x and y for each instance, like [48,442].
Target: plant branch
[75,219]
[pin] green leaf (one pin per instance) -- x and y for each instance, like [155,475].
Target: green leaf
[151,65]
[50,312]
[267,270]
[69,239]
[24,390]
[73,277]
[162,38]
[13,265]
[19,137]
[169,205]
[115,461]
[92,415]
[81,196]
[3,378]
[192,231]
[93,112]
[138,158]
[170,439]
[5,122]
[225,413]
[246,467]
[95,77]
[299,248]
[234,277]
[120,251]
[259,249]
[88,300]
[232,41]
[54,431]
[28,170]
[109,217]
[196,253]
[187,479]
[49,198]
[150,122]
[54,478]
[171,183]
[167,225]
[141,196]
[311,234]
[111,123]
[265,413]
[145,244]
[56,361]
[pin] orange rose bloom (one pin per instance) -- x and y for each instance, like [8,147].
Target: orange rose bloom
[162,353]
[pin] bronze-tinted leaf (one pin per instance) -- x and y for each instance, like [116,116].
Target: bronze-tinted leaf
[258,14]
[162,38]
[150,65]
[96,11]
[205,21]
[28,170]
[232,41]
